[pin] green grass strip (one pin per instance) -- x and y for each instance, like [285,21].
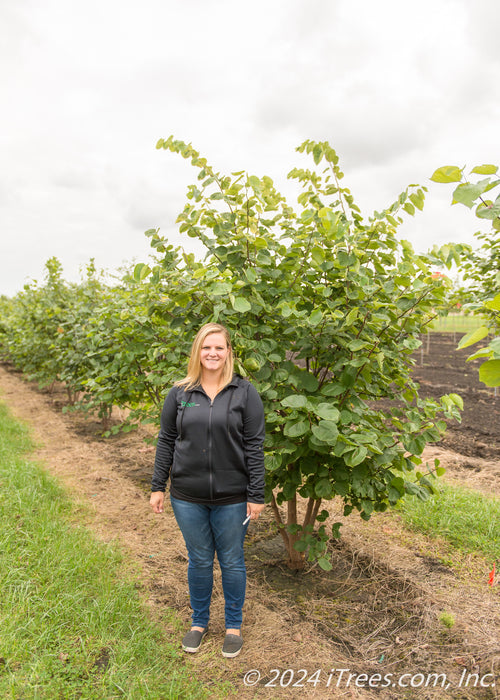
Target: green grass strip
[467,519]
[456,323]
[72,624]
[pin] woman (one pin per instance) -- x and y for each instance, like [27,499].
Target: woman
[211,445]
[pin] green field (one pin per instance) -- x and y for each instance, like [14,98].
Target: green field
[456,323]
[72,621]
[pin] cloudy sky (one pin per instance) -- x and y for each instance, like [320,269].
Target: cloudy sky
[398,89]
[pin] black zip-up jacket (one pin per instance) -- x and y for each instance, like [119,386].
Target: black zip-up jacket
[212,450]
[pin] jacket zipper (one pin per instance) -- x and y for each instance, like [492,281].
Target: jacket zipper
[210,465]
[210,444]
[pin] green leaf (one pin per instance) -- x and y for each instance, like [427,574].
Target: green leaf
[415,444]
[240,304]
[272,461]
[485,169]
[286,310]
[480,354]
[220,288]
[345,259]
[315,317]
[494,304]
[351,317]
[348,376]
[327,412]
[398,486]
[141,271]
[332,389]
[254,183]
[294,401]
[252,364]
[356,344]
[325,564]
[305,380]
[413,489]
[323,488]
[473,337]
[318,255]
[488,210]
[457,400]
[494,347]
[280,375]
[392,220]
[326,431]
[418,201]
[468,193]
[251,275]
[352,459]
[336,530]
[260,243]
[489,373]
[295,430]
[447,173]
[367,507]
[321,517]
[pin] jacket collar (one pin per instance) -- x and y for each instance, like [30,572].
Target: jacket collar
[235,381]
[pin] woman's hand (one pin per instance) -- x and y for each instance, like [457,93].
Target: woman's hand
[255,509]
[156,501]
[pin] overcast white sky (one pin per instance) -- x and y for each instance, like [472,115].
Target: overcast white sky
[397,88]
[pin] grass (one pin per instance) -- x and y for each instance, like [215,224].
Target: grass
[467,519]
[456,323]
[72,622]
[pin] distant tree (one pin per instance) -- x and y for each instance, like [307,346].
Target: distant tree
[33,323]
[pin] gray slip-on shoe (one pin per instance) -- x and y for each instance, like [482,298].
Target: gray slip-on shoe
[232,645]
[192,640]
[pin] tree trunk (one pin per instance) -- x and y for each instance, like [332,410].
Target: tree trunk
[279,522]
[296,560]
[105,414]
[72,395]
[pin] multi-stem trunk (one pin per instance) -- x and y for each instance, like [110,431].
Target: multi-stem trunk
[296,559]
[105,415]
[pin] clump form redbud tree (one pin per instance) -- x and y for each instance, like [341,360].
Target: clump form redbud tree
[325,309]
[480,190]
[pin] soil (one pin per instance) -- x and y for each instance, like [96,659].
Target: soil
[377,612]
[444,370]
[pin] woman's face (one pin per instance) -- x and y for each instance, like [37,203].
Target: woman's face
[214,352]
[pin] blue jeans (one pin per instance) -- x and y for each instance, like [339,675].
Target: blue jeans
[208,529]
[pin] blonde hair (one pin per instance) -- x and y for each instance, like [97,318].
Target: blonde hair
[193,376]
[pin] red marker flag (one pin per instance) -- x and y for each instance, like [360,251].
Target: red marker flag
[491,579]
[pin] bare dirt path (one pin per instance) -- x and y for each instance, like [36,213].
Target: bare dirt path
[376,613]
